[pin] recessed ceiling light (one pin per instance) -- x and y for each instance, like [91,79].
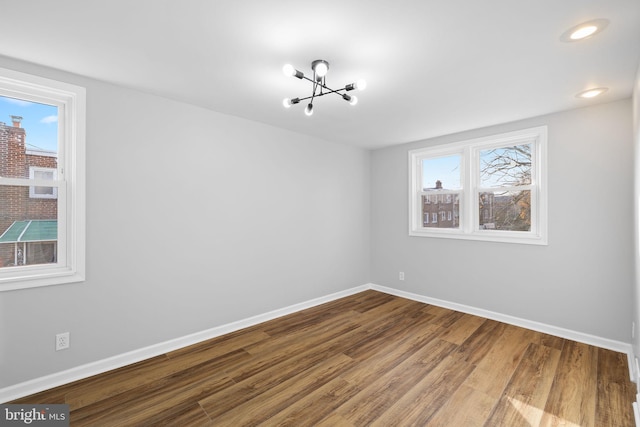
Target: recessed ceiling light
[584,30]
[592,93]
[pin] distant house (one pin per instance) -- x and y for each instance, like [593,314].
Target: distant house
[487,214]
[441,209]
[28,215]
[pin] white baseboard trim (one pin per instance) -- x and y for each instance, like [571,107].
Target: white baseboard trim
[634,369]
[620,347]
[84,371]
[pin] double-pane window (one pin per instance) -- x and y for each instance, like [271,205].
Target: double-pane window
[491,188]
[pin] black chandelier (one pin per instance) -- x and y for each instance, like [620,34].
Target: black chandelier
[320,88]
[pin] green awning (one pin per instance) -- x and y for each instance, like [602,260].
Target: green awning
[36,230]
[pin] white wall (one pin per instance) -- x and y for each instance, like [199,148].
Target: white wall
[194,220]
[581,281]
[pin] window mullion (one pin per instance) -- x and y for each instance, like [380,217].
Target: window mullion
[26,182]
[505,188]
[470,171]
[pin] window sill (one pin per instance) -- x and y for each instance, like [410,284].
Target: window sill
[485,236]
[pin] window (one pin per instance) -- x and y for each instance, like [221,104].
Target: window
[47,174]
[496,185]
[42,212]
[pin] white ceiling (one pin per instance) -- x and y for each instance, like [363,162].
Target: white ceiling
[433,67]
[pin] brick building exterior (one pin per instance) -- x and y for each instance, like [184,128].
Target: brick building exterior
[443,210]
[440,210]
[19,203]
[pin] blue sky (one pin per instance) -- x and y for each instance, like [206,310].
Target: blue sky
[446,169]
[40,121]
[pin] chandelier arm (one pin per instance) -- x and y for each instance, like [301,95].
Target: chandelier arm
[313,94]
[325,86]
[308,79]
[316,84]
[304,99]
[337,91]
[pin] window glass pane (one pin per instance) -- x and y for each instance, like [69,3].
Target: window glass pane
[505,166]
[44,191]
[28,227]
[45,174]
[34,124]
[28,215]
[441,212]
[441,173]
[505,210]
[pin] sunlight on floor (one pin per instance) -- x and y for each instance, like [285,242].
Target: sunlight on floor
[534,416]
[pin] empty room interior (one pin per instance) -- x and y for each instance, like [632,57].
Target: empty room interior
[328,213]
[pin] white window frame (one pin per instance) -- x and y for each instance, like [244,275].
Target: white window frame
[32,189]
[69,180]
[469,152]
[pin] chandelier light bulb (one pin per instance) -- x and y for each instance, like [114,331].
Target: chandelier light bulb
[309,110]
[288,70]
[353,100]
[321,69]
[361,84]
[286,103]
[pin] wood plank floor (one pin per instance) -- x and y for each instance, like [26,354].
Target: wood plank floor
[370,359]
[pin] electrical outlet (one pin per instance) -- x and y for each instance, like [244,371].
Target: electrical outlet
[62,341]
[401,275]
